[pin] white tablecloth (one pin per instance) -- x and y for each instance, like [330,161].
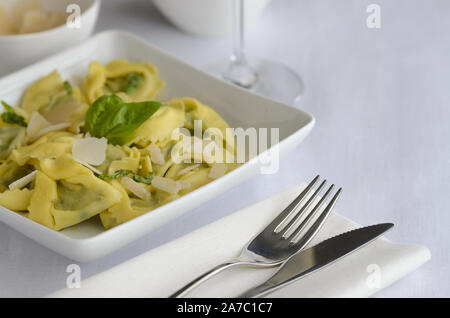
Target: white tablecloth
[380,97]
[163,270]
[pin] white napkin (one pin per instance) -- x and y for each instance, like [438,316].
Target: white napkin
[161,271]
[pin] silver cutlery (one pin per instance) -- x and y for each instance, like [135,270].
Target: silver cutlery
[318,256]
[288,233]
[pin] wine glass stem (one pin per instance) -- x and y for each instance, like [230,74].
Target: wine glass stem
[238,31]
[239,72]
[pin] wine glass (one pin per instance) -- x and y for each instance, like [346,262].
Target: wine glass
[265,77]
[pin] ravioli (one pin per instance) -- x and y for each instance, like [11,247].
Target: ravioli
[122,211]
[47,93]
[210,120]
[159,127]
[58,204]
[40,93]
[117,76]
[52,145]
[130,207]
[57,101]
[16,200]
[58,186]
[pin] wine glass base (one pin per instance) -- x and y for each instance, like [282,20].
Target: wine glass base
[274,80]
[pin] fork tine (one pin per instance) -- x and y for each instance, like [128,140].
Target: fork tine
[302,211]
[318,223]
[311,214]
[281,218]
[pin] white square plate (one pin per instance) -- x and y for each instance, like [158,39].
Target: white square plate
[88,240]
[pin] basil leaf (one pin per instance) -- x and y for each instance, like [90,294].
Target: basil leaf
[118,174]
[147,179]
[10,116]
[8,107]
[122,173]
[68,88]
[110,117]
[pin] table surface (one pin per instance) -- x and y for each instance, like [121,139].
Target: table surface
[381,101]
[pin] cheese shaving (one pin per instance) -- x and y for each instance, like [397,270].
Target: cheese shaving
[187,169]
[156,155]
[136,188]
[90,150]
[49,129]
[87,165]
[60,113]
[166,184]
[36,123]
[19,184]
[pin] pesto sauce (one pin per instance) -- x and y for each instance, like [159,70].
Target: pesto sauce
[11,137]
[74,196]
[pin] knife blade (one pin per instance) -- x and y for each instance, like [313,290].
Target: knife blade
[318,256]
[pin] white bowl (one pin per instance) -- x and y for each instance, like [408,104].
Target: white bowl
[240,108]
[17,51]
[206,17]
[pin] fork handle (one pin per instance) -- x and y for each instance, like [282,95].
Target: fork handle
[200,279]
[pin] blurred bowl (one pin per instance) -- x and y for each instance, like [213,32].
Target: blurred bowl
[19,50]
[206,17]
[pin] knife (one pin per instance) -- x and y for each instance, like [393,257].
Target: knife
[316,257]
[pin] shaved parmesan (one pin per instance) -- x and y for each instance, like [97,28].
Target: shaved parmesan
[50,129]
[87,165]
[19,184]
[60,113]
[36,123]
[155,155]
[136,188]
[90,150]
[217,170]
[166,184]
[187,169]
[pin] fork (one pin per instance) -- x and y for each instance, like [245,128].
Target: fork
[283,237]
